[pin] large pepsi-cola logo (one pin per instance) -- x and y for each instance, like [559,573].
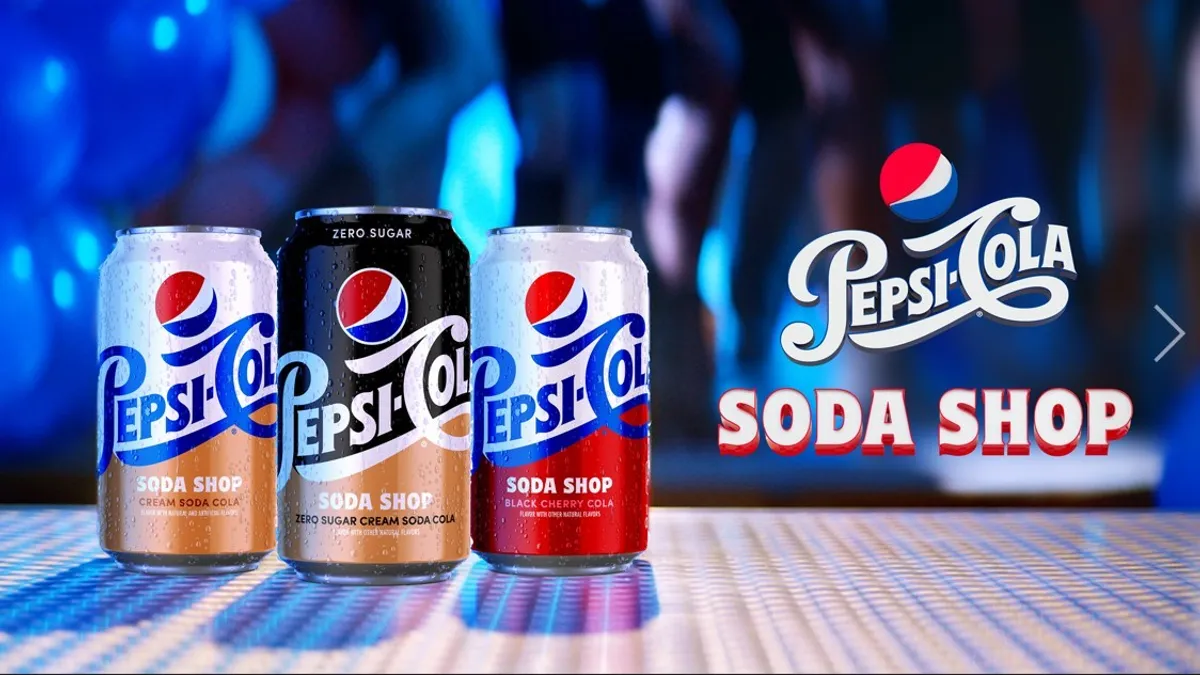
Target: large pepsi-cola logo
[992,264]
[586,381]
[372,306]
[417,384]
[210,385]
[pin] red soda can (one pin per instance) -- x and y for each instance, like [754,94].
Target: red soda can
[560,401]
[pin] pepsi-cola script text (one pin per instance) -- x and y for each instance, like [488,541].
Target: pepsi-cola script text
[145,428]
[332,441]
[532,425]
[867,310]
[836,423]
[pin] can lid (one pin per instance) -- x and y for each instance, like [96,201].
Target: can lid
[194,229]
[373,211]
[561,229]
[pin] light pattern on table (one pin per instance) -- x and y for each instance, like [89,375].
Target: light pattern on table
[719,590]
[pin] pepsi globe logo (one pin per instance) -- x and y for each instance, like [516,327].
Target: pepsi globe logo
[556,304]
[918,183]
[372,306]
[185,304]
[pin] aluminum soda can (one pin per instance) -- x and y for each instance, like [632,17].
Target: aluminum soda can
[560,401]
[374,439]
[186,405]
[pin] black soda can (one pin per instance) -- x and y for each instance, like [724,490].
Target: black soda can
[374,403]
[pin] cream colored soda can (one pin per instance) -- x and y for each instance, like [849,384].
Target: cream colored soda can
[186,400]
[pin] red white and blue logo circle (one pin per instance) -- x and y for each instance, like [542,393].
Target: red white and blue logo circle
[918,183]
[185,304]
[556,304]
[372,306]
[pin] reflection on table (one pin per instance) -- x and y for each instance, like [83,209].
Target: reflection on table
[719,590]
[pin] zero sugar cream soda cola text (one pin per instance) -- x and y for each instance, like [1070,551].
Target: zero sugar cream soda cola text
[374,434]
[560,401]
[186,400]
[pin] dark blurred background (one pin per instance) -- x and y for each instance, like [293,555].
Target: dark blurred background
[724,133]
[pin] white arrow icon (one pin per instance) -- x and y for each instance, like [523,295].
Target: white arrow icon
[1172,342]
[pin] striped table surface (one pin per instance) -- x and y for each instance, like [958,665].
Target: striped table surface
[719,590]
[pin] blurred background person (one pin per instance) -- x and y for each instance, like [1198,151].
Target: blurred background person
[1187,121]
[810,84]
[558,102]
[366,92]
[685,159]
[801,70]
[1126,93]
[585,97]
[1182,137]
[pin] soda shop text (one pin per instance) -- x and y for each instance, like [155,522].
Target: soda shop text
[206,484]
[363,501]
[384,501]
[164,491]
[877,313]
[575,485]
[992,421]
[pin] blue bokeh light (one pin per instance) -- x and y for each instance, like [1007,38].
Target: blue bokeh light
[63,289]
[87,250]
[22,263]
[196,7]
[250,94]
[27,341]
[54,76]
[166,33]
[41,118]
[482,155]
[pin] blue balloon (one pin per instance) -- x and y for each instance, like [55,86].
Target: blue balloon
[41,115]
[154,73]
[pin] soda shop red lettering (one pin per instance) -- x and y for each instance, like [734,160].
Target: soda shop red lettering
[836,424]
